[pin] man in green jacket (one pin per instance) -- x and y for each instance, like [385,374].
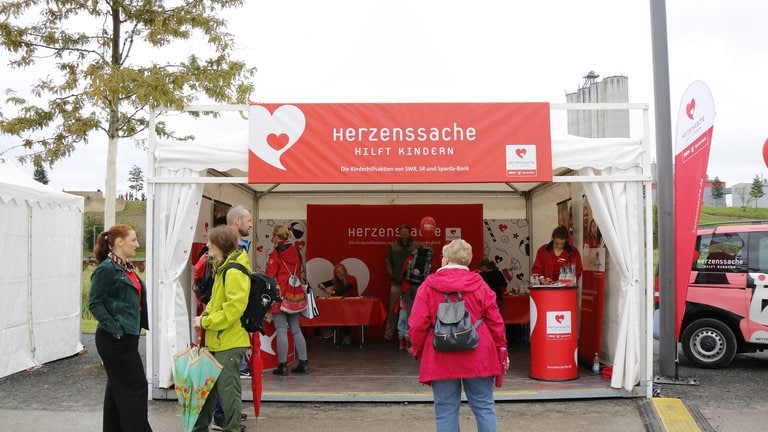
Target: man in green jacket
[398,252]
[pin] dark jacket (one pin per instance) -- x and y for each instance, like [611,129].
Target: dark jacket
[396,258]
[114,301]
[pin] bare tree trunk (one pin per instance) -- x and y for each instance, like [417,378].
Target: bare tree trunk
[110,185]
[110,196]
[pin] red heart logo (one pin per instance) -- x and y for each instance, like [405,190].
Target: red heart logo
[521,152]
[690,108]
[503,227]
[300,244]
[559,318]
[277,142]
[260,248]
[453,232]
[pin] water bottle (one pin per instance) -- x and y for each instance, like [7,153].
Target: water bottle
[596,364]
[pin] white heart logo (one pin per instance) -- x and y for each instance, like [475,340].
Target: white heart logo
[272,134]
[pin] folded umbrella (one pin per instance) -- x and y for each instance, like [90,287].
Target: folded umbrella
[195,372]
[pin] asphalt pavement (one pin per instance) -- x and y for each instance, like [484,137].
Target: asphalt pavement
[67,394]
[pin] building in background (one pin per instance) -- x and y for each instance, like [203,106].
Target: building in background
[600,123]
[740,195]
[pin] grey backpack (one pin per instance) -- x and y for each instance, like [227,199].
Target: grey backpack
[454,330]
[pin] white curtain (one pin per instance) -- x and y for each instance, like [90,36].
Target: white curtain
[175,215]
[615,207]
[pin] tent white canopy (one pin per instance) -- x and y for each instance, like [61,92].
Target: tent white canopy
[613,173]
[41,232]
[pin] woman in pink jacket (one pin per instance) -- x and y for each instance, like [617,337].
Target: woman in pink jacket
[474,370]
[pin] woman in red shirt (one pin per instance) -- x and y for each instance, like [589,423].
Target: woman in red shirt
[555,255]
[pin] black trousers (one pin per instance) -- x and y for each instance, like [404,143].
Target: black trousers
[125,398]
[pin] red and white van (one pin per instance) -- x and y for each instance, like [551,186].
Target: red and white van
[726,308]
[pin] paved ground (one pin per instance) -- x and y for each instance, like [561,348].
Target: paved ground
[68,393]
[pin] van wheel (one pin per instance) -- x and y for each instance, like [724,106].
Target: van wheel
[709,343]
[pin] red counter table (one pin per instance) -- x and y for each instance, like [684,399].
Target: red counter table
[515,309]
[349,311]
[554,345]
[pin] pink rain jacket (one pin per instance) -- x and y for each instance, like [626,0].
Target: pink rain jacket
[479,300]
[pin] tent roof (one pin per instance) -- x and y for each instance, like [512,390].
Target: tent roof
[569,153]
[15,185]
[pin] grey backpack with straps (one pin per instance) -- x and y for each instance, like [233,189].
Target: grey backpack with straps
[454,330]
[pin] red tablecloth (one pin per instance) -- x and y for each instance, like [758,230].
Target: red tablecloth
[355,311]
[515,309]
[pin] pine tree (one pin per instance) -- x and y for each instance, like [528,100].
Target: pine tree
[756,191]
[90,82]
[40,174]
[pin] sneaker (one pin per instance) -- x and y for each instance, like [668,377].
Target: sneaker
[245,373]
[216,426]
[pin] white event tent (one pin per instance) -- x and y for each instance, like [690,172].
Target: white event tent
[610,172]
[41,232]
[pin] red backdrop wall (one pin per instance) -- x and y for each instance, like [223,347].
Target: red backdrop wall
[359,236]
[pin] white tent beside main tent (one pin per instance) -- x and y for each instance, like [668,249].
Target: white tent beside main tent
[41,233]
[611,173]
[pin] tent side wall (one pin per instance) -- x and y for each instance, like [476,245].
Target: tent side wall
[41,231]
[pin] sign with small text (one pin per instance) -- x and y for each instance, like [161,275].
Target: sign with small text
[399,143]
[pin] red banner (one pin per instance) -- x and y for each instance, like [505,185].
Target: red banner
[399,143]
[359,237]
[592,302]
[695,121]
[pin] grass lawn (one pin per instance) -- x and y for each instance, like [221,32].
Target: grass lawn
[88,326]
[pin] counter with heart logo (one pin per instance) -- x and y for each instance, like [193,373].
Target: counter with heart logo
[554,342]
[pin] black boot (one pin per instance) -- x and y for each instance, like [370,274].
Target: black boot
[302,368]
[282,370]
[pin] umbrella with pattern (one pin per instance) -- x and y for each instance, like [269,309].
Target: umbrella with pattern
[195,373]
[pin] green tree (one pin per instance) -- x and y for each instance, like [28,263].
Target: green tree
[742,194]
[136,180]
[717,191]
[95,85]
[40,174]
[756,191]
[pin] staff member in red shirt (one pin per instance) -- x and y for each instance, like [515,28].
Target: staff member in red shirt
[555,255]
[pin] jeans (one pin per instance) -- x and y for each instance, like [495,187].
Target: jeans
[282,322]
[447,396]
[402,324]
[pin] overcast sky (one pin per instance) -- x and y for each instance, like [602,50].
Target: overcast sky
[489,51]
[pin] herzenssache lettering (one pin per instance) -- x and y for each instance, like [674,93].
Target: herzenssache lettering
[452,133]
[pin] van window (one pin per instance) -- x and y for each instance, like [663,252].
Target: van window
[758,252]
[722,253]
